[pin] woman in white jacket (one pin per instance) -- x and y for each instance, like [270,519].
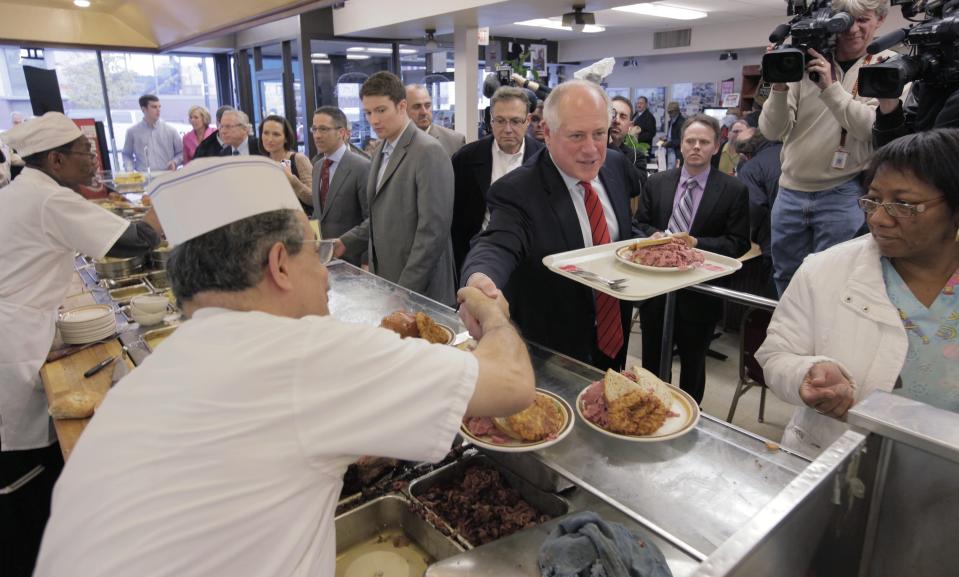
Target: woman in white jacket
[880,311]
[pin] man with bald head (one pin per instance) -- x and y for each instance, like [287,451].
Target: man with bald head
[573,194]
[420,110]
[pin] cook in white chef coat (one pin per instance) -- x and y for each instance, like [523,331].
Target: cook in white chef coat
[223,453]
[43,224]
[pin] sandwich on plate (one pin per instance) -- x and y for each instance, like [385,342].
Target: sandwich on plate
[632,403]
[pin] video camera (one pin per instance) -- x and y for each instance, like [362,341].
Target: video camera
[815,26]
[934,50]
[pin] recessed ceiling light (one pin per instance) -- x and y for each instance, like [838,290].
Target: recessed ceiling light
[318,55]
[356,49]
[558,25]
[81,3]
[320,61]
[662,11]
[380,50]
[357,57]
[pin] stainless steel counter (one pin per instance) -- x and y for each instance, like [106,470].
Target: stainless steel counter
[694,492]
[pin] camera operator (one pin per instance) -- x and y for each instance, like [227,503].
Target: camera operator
[827,130]
[541,91]
[925,108]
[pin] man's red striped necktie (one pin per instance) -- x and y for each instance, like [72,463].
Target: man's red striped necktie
[609,324]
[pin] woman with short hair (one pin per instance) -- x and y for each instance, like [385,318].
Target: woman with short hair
[200,121]
[879,312]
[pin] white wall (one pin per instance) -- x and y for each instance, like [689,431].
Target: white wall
[669,69]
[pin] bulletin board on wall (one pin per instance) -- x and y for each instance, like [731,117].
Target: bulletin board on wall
[656,96]
[693,97]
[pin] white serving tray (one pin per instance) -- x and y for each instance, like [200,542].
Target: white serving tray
[642,285]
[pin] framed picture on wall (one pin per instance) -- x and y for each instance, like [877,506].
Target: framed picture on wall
[624,92]
[656,97]
[537,58]
[494,54]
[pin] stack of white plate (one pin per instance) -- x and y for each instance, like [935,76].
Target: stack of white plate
[87,324]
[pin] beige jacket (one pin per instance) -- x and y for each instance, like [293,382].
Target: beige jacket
[809,122]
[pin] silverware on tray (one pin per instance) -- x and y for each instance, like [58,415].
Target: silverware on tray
[614,284]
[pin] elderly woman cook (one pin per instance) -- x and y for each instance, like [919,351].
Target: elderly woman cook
[879,312]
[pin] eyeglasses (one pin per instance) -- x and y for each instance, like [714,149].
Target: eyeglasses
[513,122]
[324,248]
[897,209]
[89,155]
[322,129]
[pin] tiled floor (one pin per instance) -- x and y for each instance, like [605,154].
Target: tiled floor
[721,380]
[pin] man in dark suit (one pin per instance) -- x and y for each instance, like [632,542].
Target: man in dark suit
[572,195]
[339,183]
[710,210]
[234,134]
[646,122]
[672,139]
[479,164]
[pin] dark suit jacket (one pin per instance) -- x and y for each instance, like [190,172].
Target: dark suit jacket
[721,225]
[347,202]
[532,216]
[211,146]
[675,136]
[647,123]
[472,172]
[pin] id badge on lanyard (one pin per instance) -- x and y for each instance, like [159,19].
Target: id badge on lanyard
[841,156]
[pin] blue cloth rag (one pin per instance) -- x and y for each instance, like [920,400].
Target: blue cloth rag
[584,545]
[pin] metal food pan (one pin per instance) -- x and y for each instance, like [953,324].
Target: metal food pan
[531,468]
[542,501]
[125,281]
[159,280]
[387,513]
[125,295]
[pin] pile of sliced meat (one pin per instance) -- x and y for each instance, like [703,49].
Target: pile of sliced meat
[482,507]
[673,254]
[484,427]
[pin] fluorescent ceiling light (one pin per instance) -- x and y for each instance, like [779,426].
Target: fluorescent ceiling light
[356,49]
[81,3]
[318,55]
[558,25]
[320,61]
[357,57]
[662,11]
[380,50]
[407,51]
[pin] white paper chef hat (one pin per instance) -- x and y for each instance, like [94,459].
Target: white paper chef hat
[47,132]
[214,192]
[596,71]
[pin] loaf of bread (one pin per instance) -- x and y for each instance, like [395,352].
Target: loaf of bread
[75,405]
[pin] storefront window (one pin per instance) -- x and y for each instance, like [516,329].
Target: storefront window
[77,73]
[179,80]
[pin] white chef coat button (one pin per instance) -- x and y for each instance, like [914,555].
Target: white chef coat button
[848,299]
[865,309]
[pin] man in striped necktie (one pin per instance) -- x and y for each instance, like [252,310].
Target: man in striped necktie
[571,195]
[710,210]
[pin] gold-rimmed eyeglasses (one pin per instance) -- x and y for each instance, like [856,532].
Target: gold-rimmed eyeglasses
[324,248]
[897,209]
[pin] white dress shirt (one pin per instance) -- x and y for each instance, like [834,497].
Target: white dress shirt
[335,159]
[579,203]
[503,163]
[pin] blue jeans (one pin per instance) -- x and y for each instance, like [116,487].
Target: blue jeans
[808,222]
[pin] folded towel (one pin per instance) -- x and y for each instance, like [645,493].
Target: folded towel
[584,545]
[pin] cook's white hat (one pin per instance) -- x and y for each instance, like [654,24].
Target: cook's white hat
[214,192]
[47,132]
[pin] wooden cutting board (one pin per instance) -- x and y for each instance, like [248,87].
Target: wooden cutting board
[66,375]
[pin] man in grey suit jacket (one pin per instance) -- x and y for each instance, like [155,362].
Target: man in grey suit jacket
[420,109]
[339,180]
[411,198]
